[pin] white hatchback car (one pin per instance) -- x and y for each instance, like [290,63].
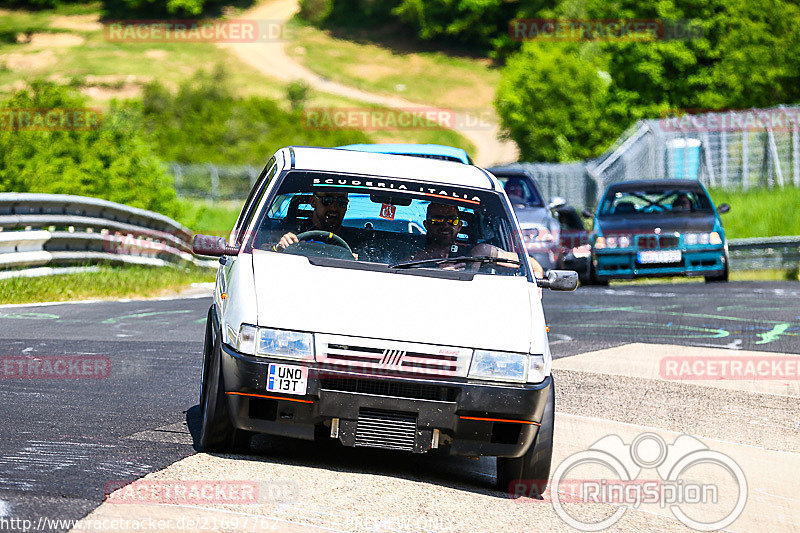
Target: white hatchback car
[384,301]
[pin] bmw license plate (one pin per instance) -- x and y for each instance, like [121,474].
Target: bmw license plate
[660,256]
[288,379]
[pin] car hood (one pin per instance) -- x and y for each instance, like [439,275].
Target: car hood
[489,312]
[648,224]
[530,216]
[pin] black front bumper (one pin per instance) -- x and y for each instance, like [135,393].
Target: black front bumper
[472,418]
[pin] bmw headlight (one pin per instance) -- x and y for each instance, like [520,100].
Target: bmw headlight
[499,366]
[285,344]
[692,239]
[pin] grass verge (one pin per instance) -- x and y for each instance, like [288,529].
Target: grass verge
[736,275]
[209,218]
[760,212]
[109,282]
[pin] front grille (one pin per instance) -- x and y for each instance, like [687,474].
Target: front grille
[362,354]
[668,241]
[386,429]
[647,242]
[386,387]
[654,242]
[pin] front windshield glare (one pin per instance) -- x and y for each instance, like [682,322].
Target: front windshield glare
[395,223]
[655,202]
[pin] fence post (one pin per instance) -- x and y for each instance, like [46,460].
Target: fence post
[706,151]
[212,169]
[177,173]
[723,144]
[796,151]
[745,160]
[773,150]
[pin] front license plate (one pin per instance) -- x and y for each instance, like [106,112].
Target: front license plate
[288,379]
[660,256]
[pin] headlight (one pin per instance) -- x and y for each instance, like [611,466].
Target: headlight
[690,239]
[624,241]
[499,366]
[714,238]
[537,236]
[611,242]
[285,344]
[600,243]
[246,341]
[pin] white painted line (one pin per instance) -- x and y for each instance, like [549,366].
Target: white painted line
[5,509]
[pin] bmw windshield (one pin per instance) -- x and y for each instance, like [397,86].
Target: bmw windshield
[391,224]
[655,201]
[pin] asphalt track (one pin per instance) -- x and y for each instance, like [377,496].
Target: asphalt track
[63,441]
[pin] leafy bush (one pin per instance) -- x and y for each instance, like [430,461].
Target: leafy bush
[167,8]
[297,92]
[205,123]
[115,161]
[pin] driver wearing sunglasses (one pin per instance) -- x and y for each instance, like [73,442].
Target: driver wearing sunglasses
[329,210]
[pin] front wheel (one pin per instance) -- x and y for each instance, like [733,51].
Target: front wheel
[531,472]
[217,433]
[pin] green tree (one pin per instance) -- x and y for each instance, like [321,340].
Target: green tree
[116,161]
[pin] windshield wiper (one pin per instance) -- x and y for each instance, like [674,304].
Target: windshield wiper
[484,259]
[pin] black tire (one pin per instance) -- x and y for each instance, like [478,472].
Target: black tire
[217,434]
[534,466]
[208,349]
[593,280]
[720,278]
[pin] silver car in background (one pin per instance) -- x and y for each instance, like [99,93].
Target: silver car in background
[541,229]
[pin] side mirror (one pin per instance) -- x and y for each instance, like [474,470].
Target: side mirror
[559,280]
[557,201]
[587,214]
[212,246]
[723,208]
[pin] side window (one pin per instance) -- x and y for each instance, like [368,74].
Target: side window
[252,201]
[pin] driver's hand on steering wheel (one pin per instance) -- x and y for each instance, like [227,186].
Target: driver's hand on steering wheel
[286,241]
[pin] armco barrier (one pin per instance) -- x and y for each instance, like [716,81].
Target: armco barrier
[765,253]
[60,229]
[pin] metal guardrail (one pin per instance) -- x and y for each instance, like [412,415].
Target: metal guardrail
[60,229]
[765,253]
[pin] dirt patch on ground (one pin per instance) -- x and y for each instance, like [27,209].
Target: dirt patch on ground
[77,22]
[372,72]
[40,41]
[156,54]
[29,62]
[109,93]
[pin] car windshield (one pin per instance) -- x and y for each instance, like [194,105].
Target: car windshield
[655,202]
[390,223]
[521,191]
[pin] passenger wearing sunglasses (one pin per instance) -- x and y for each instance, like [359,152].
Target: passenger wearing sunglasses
[443,224]
[329,210]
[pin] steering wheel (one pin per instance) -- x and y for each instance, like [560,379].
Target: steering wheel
[327,237]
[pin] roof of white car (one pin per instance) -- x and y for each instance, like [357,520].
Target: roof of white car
[390,166]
